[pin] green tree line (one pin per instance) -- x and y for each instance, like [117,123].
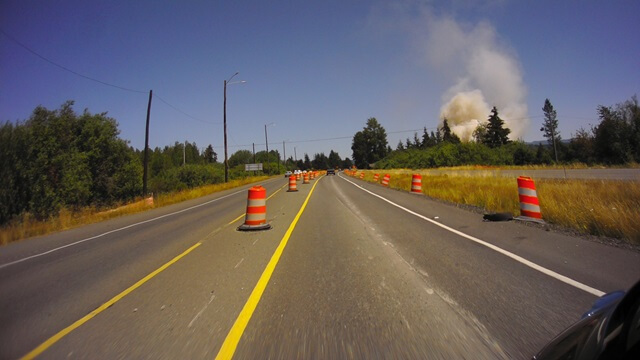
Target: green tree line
[615,140]
[58,158]
[61,159]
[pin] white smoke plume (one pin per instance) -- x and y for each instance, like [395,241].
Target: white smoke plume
[485,73]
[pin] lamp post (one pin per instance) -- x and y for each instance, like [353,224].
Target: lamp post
[226,159]
[266,140]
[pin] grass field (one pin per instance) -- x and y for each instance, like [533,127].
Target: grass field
[596,207]
[27,226]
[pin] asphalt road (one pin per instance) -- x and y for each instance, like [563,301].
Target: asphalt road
[593,174]
[361,272]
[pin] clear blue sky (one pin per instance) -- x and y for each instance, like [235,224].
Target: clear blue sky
[318,69]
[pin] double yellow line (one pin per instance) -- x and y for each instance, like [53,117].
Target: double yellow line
[232,339]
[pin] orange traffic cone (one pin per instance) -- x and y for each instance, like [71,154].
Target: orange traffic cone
[292,184]
[529,204]
[416,184]
[385,180]
[256,216]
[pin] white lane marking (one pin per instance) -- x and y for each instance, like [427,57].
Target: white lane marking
[520,259]
[238,264]
[201,311]
[116,230]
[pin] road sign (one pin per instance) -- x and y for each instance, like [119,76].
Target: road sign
[253,167]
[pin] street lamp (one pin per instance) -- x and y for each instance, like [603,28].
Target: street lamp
[226,160]
[266,140]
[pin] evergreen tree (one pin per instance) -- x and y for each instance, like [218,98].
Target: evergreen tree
[550,127]
[497,135]
[209,155]
[448,135]
[416,141]
[307,162]
[370,144]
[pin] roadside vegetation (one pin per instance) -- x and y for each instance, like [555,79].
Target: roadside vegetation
[61,169]
[27,225]
[594,207]
[602,208]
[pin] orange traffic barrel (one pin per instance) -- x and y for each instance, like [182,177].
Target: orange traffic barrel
[306,178]
[299,176]
[376,177]
[292,184]
[529,205]
[312,175]
[385,180]
[361,175]
[416,184]
[256,216]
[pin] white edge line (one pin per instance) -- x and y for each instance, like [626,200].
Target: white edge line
[116,230]
[520,259]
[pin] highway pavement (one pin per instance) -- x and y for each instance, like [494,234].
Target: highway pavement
[349,270]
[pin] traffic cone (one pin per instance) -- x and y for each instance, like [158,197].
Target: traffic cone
[385,180]
[256,215]
[529,204]
[149,201]
[292,184]
[416,184]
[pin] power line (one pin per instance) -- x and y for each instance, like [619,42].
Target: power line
[316,140]
[184,113]
[97,80]
[67,69]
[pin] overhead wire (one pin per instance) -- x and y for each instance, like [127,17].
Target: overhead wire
[97,80]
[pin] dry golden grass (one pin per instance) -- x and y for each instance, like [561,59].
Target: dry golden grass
[27,226]
[596,207]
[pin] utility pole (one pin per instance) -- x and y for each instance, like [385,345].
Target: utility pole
[254,156]
[226,158]
[184,153]
[284,156]
[146,148]
[266,142]
[295,156]
[224,116]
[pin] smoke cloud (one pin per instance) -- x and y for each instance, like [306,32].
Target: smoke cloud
[485,74]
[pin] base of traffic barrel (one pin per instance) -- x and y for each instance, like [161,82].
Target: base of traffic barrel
[245,227]
[292,190]
[529,219]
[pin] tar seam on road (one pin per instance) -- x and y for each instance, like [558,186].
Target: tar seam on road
[233,337]
[116,230]
[243,214]
[518,258]
[55,338]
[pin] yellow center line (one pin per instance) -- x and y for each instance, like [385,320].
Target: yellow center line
[233,338]
[243,214]
[55,338]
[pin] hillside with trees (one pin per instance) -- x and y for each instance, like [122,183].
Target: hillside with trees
[615,140]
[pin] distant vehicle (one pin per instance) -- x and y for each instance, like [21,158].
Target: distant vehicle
[331,172]
[609,330]
[297,171]
[287,173]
